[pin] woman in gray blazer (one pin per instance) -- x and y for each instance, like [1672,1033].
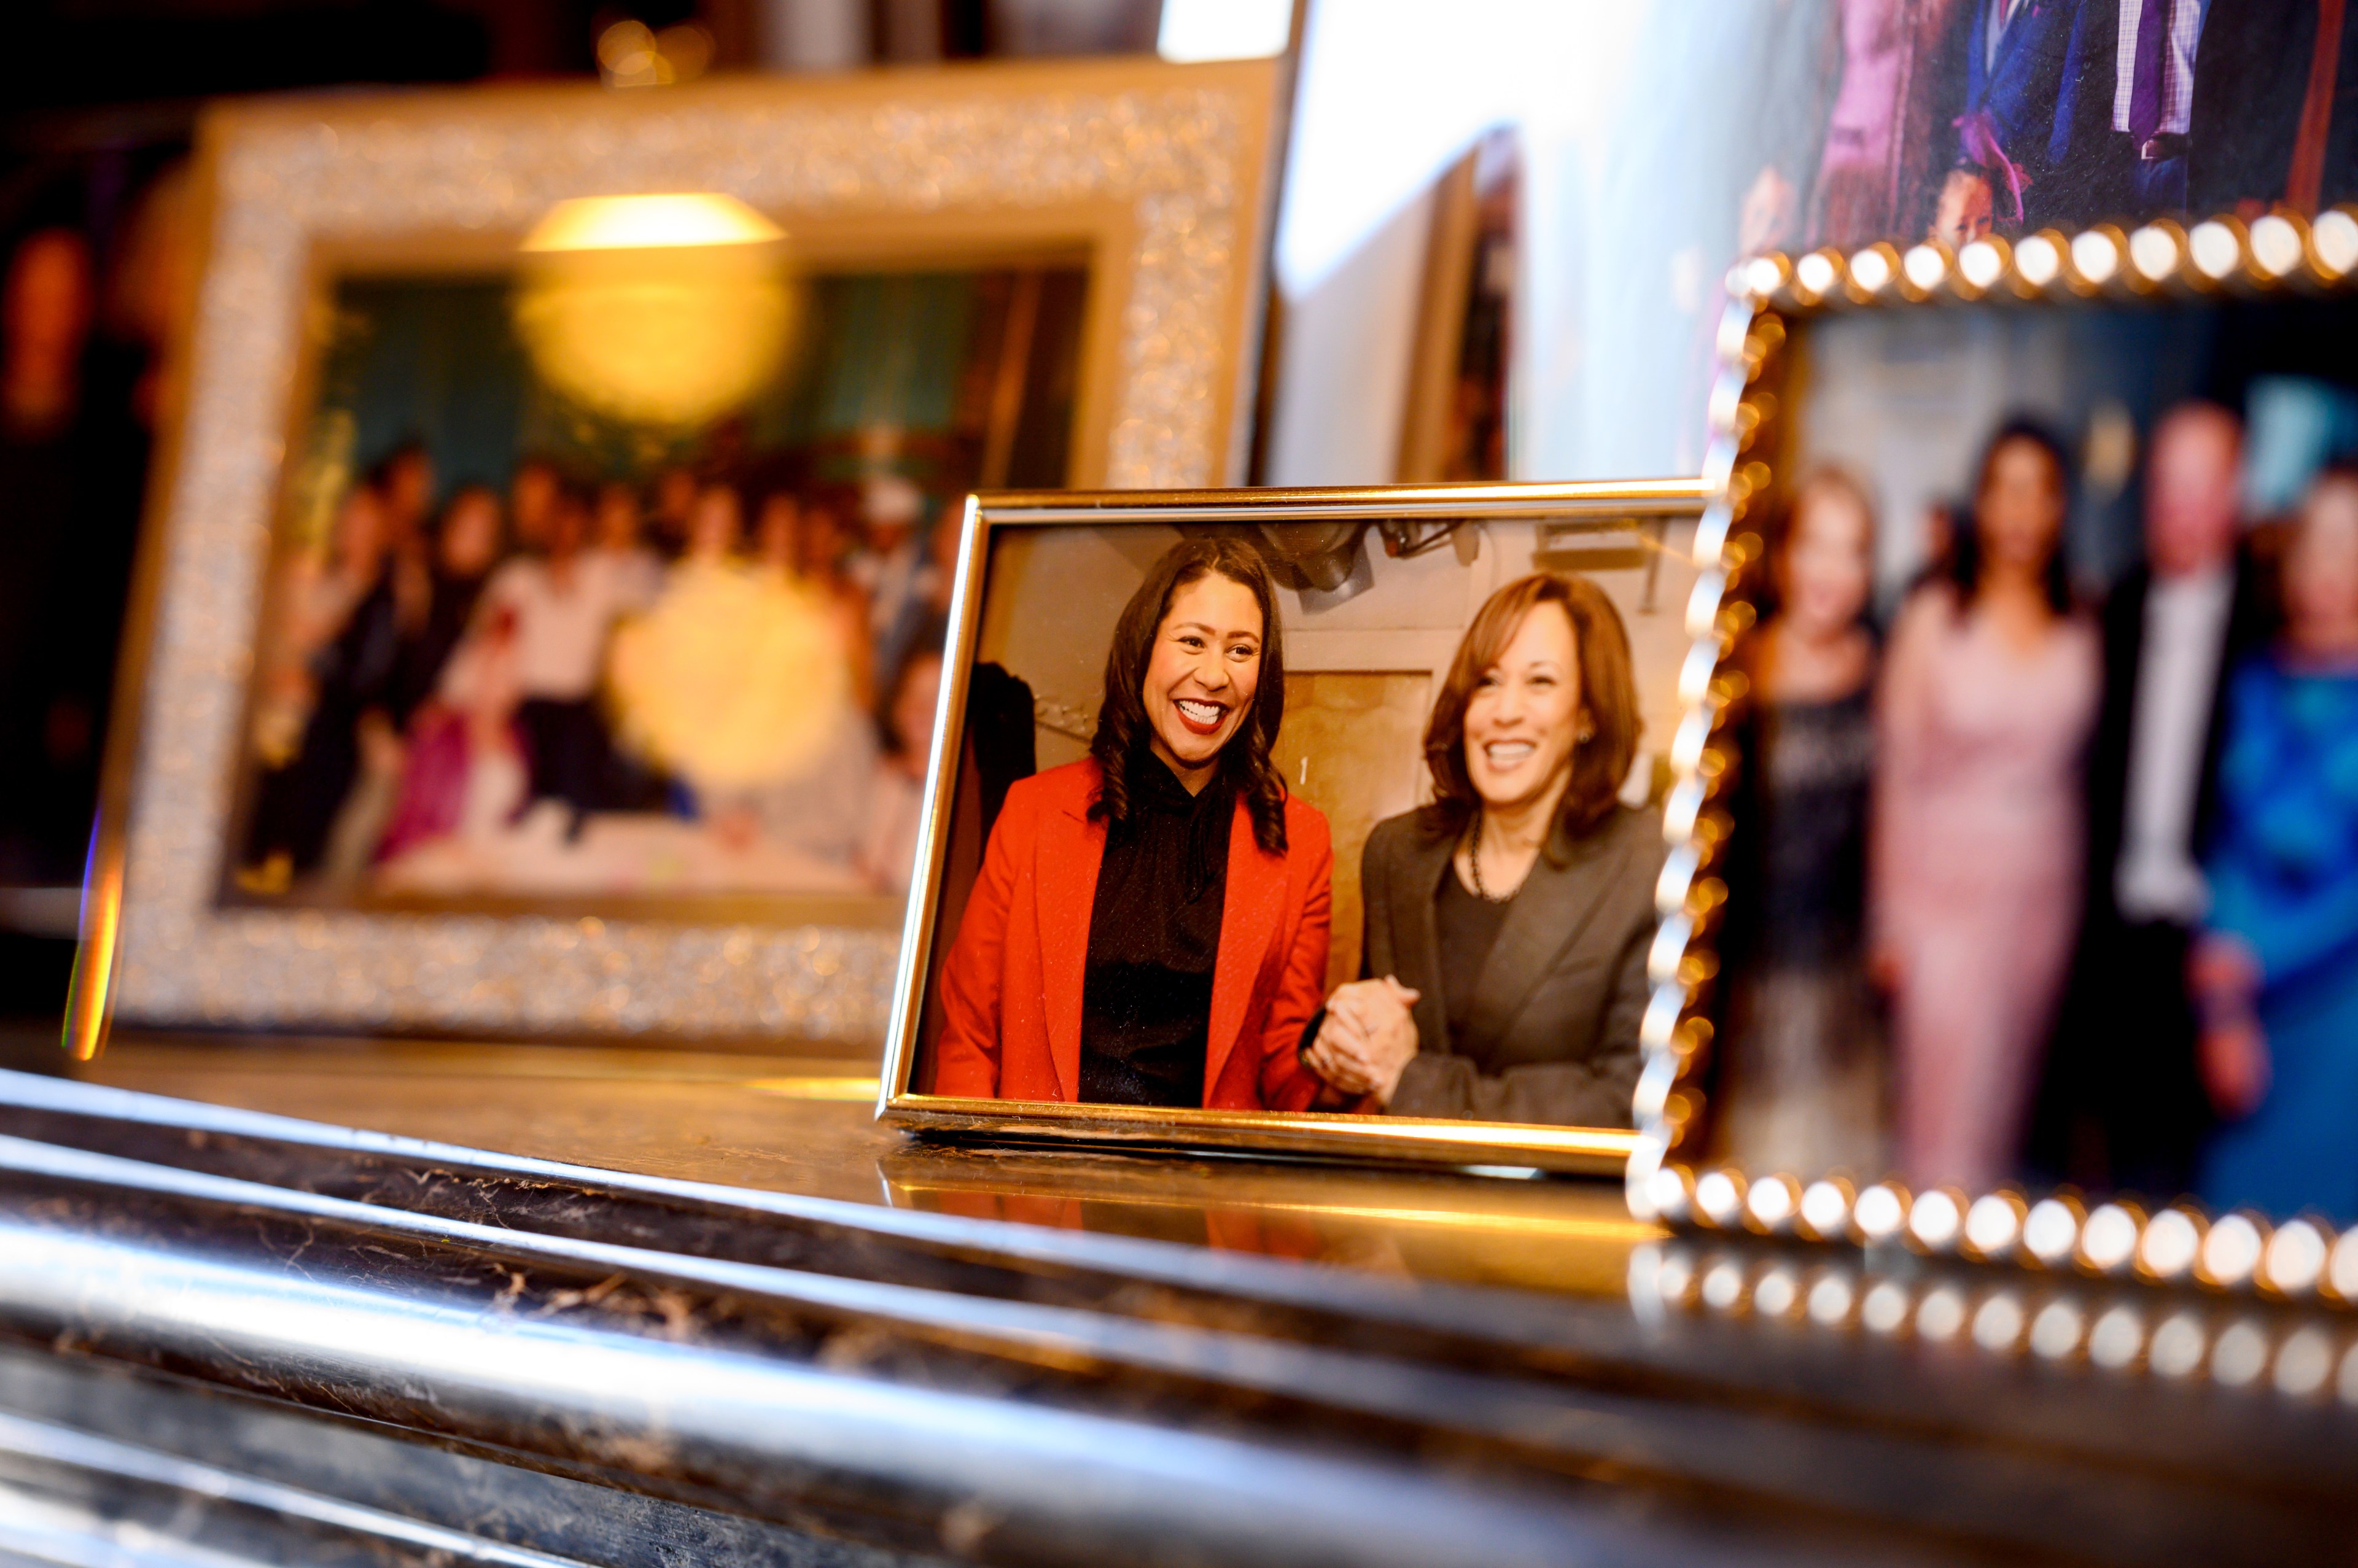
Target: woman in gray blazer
[1503,973]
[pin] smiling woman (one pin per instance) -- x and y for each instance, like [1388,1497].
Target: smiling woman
[1206,888]
[1504,971]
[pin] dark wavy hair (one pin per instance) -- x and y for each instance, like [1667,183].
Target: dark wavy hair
[1608,691]
[1965,547]
[1124,736]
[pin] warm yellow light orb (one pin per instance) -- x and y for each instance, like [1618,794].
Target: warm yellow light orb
[667,310]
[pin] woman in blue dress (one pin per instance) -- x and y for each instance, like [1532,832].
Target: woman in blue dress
[2275,975]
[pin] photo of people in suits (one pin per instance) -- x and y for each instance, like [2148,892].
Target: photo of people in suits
[1386,846]
[2103,937]
[1955,118]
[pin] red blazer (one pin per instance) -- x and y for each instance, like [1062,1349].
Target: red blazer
[1011,989]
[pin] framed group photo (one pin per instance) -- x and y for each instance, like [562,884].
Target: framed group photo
[542,595]
[2026,813]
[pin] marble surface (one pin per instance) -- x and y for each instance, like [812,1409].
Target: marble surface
[95,1453]
[806,1124]
[698,1115]
[671,1282]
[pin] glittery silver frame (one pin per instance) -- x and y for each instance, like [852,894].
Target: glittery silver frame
[1164,169]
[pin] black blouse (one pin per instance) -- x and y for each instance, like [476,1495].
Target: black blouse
[1797,866]
[1154,937]
[1467,926]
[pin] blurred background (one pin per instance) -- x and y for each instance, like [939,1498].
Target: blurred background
[94,148]
[1502,231]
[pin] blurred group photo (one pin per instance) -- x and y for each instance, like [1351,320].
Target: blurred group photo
[519,647]
[2043,854]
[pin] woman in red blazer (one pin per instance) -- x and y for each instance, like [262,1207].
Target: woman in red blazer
[1150,926]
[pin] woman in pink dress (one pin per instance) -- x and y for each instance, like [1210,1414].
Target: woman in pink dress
[1988,694]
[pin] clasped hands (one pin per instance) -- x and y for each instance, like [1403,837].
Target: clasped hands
[1368,1039]
[2232,1050]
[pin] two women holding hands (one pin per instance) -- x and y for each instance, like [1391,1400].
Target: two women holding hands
[1150,924]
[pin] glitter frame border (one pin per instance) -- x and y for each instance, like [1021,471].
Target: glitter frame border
[1173,164]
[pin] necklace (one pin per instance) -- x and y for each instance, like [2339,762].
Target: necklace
[1474,864]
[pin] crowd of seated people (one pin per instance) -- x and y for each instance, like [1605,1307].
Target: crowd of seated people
[699,684]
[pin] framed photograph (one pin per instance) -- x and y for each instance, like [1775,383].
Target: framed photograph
[534,591]
[2018,919]
[1454,425]
[1316,821]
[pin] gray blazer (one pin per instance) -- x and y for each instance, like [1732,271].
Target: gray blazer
[1560,998]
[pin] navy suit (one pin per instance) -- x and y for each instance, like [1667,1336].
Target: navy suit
[2251,80]
[2047,101]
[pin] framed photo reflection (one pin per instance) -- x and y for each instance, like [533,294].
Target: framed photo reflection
[1313,821]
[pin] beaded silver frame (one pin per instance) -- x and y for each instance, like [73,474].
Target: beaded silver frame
[2292,1257]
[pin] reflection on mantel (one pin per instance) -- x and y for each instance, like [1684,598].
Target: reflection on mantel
[782,1122]
[1563,1235]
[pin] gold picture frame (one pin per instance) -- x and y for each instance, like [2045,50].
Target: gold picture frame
[1632,528]
[1775,301]
[1158,175]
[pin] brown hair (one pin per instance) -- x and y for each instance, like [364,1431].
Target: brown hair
[2270,543]
[1608,694]
[1124,734]
[1785,525]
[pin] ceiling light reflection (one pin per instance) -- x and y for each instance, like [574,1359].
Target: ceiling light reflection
[2303,1363]
[2117,1337]
[2177,1347]
[2240,1355]
[1885,1309]
[667,310]
[640,222]
[1998,1323]
[1830,1301]
[2055,1332]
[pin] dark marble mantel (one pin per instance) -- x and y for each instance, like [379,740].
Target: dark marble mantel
[703,1309]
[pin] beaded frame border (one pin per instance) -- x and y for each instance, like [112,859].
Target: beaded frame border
[2290,1258]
